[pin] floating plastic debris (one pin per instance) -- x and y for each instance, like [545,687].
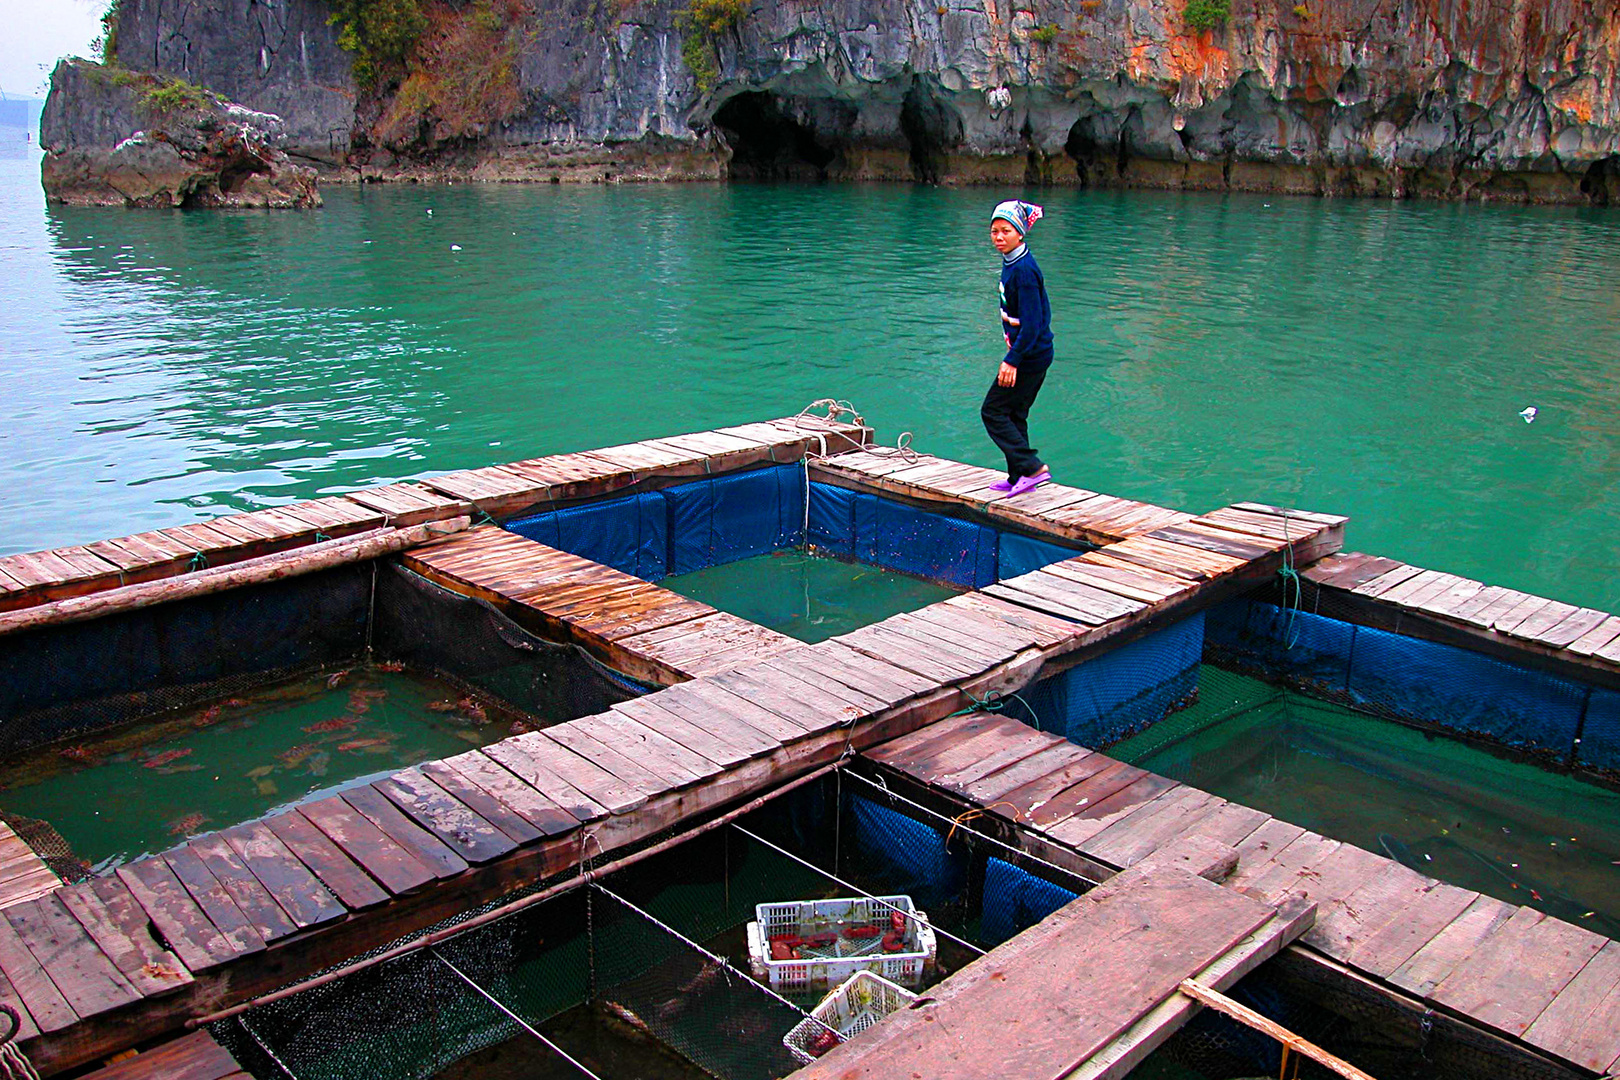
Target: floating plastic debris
[455,247]
[1529,414]
[430,211]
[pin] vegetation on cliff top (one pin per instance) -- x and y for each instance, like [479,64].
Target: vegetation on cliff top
[380,33]
[460,78]
[701,23]
[1202,15]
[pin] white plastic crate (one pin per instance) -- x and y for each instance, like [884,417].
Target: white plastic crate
[827,966]
[859,1002]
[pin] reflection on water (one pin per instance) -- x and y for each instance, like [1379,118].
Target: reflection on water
[1445,808]
[1358,356]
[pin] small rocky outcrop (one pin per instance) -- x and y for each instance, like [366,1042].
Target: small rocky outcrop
[114,137]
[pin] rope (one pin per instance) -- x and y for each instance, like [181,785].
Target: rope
[14,1064]
[969,815]
[1289,576]
[993,702]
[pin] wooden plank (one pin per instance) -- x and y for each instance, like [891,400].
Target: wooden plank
[428,849]
[1571,628]
[1094,968]
[730,741]
[929,661]
[451,821]
[1391,916]
[551,759]
[395,868]
[182,923]
[1136,836]
[1517,972]
[257,905]
[112,918]
[1082,798]
[87,979]
[1050,631]
[284,876]
[1131,585]
[802,704]
[618,757]
[26,1028]
[348,880]
[195,1056]
[972,649]
[1430,965]
[491,807]
[1387,580]
[1095,818]
[648,744]
[1582,1025]
[1291,870]
[1546,619]
[1031,798]
[995,785]
[41,999]
[214,900]
[1596,638]
[1012,749]
[498,783]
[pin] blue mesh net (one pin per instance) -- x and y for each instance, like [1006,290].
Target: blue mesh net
[913,852]
[1025,554]
[1100,701]
[1406,677]
[721,519]
[1015,900]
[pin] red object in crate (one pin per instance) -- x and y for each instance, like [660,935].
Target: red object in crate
[859,933]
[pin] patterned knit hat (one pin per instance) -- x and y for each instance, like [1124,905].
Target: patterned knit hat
[1021,215]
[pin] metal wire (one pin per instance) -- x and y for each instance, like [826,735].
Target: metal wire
[524,1024]
[714,958]
[850,885]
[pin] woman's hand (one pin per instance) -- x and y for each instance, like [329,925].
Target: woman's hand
[1007,376]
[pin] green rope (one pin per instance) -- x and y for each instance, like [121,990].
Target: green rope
[199,561]
[993,702]
[321,537]
[1290,576]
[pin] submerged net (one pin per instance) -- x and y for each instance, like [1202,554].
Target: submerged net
[657,951]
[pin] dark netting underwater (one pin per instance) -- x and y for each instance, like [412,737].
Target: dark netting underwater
[656,954]
[63,681]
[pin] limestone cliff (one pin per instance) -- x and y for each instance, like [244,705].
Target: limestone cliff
[113,137]
[1460,98]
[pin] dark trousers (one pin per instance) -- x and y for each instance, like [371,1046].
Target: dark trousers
[1005,413]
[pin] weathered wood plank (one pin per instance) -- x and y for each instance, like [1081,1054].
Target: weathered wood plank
[347,879]
[1517,972]
[72,960]
[110,915]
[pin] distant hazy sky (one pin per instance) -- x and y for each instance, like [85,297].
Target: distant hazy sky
[35,33]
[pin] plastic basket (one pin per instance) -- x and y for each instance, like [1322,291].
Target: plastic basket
[825,966]
[859,1002]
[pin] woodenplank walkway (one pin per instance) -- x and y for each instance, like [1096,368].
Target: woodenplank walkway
[1056,509]
[647,632]
[1517,973]
[499,491]
[1578,642]
[23,874]
[252,907]
[191,1057]
[1089,991]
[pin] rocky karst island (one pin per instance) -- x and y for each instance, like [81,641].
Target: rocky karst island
[228,103]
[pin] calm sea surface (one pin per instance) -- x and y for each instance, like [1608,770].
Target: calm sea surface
[1367,358]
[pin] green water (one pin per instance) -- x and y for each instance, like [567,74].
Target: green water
[809,597]
[1443,807]
[142,790]
[1365,357]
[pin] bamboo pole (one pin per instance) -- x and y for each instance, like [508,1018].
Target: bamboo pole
[1247,1016]
[360,547]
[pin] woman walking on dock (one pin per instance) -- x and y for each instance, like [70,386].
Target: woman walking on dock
[1026,325]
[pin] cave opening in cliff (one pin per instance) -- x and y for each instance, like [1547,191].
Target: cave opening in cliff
[768,142]
[931,128]
[1601,183]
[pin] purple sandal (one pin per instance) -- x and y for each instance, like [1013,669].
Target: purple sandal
[1028,483]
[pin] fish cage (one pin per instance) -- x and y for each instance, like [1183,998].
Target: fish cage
[124,734]
[715,539]
[853,1006]
[644,970]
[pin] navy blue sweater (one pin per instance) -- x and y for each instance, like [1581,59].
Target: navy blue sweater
[1026,314]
